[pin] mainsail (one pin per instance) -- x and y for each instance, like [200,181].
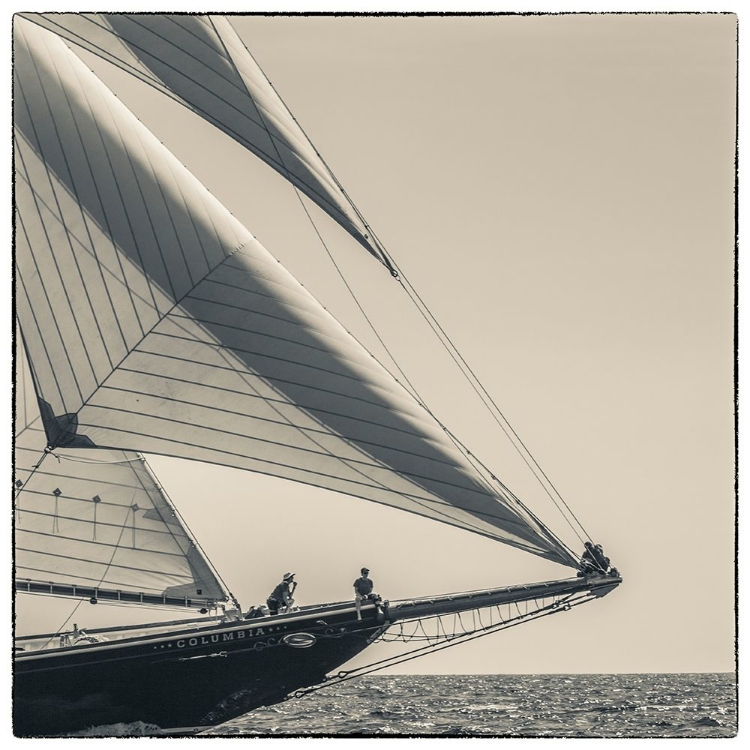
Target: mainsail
[201,62]
[156,322]
[96,520]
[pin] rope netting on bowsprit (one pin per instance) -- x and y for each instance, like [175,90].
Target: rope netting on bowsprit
[438,632]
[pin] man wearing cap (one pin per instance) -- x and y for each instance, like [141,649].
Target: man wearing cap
[281,596]
[362,590]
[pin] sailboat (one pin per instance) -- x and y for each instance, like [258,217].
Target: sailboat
[151,321]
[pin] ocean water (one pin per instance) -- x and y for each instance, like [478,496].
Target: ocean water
[606,705]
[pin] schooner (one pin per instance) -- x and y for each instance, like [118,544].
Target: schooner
[151,321]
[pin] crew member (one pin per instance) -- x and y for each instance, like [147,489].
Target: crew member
[601,559]
[254,612]
[362,590]
[593,559]
[281,596]
[588,562]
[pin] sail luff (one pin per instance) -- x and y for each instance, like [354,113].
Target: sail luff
[239,364]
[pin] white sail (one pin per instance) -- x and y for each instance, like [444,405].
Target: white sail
[156,322]
[96,518]
[202,62]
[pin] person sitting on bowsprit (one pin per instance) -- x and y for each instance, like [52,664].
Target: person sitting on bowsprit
[601,559]
[593,560]
[587,564]
[362,590]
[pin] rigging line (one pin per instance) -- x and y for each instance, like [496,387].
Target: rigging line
[470,634]
[313,224]
[401,278]
[395,273]
[483,389]
[323,243]
[485,397]
[415,394]
[475,461]
[93,460]
[194,539]
[413,391]
[453,641]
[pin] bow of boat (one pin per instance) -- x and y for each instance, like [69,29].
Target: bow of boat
[556,591]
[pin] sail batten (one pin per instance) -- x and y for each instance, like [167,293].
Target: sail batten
[255,375]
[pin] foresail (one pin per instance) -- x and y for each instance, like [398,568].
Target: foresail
[156,322]
[95,519]
[201,62]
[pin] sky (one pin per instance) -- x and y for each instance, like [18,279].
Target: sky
[559,190]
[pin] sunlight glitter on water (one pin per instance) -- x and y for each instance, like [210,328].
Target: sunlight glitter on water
[702,705]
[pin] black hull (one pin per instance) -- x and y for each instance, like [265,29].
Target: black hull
[185,678]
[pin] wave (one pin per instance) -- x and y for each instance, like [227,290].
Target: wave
[133,729]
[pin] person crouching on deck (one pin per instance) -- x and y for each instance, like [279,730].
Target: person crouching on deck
[281,596]
[362,590]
